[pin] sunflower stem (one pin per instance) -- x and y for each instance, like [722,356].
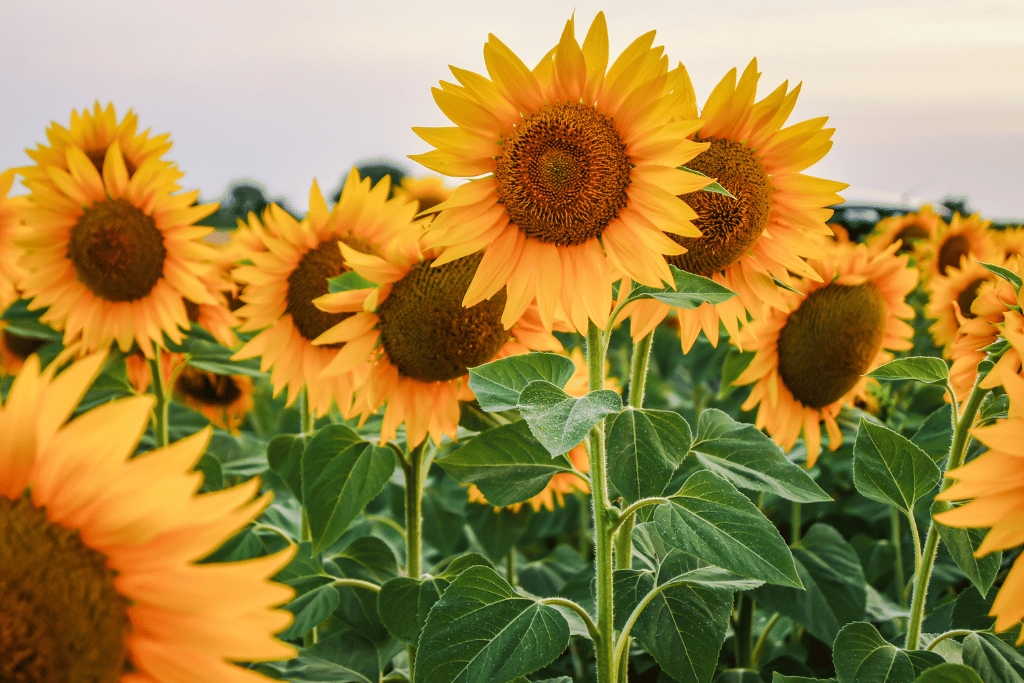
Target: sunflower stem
[897,544]
[762,640]
[638,376]
[161,411]
[305,415]
[923,571]
[796,523]
[605,641]
[415,467]
[743,628]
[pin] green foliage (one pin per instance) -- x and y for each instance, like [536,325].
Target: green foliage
[498,384]
[644,449]
[560,421]
[890,468]
[921,368]
[689,291]
[861,655]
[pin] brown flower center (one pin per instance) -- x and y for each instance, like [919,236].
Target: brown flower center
[908,235]
[730,227]
[117,250]
[563,173]
[309,281]
[208,388]
[830,340]
[967,296]
[61,618]
[951,252]
[428,334]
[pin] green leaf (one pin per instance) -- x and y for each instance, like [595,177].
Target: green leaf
[683,628]
[560,421]
[482,631]
[497,384]
[403,603]
[370,559]
[338,479]
[349,281]
[507,463]
[714,522]
[644,449]
[629,587]
[993,659]
[890,468]
[935,435]
[747,458]
[779,678]
[284,455]
[712,187]
[961,544]
[1004,273]
[690,291]
[343,657]
[861,655]
[922,368]
[949,673]
[310,610]
[836,592]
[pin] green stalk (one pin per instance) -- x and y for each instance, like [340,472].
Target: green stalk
[743,627]
[415,467]
[638,374]
[305,414]
[897,544]
[795,522]
[603,518]
[923,572]
[161,411]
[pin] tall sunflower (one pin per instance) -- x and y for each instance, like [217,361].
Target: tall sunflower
[964,238]
[113,252]
[950,299]
[912,230]
[291,268]
[99,548]
[415,339]
[809,362]
[777,219]
[581,162]
[993,483]
[10,217]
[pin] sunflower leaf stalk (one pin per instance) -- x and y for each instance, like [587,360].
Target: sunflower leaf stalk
[161,411]
[926,559]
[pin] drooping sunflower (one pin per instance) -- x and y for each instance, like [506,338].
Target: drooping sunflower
[416,340]
[111,253]
[950,299]
[777,219]
[809,362]
[912,230]
[994,485]
[10,217]
[427,192]
[581,162]
[964,238]
[292,269]
[99,548]
[562,483]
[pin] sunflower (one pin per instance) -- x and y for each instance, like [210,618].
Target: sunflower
[415,339]
[427,192]
[1010,241]
[963,238]
[582,175]
[99,548]
[562,483]
[225,400]
[291,269]
[912,230]
[113,254]
[950,299]
[777,219]
[809,362]
[10,217]
[994,484]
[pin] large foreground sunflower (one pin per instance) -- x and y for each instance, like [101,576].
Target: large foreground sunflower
[416,340]
[809,362]
[291,268]
[777,218]
[994,484]
[99,548]
[581,162]
[113,252]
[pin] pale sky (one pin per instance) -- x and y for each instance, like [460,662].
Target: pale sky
[926,97]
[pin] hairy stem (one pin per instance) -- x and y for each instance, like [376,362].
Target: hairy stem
[161,411]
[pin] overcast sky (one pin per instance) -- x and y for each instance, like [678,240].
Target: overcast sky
[926,99]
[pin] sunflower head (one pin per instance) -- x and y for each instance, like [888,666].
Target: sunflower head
[426,192]
[963,239]
[913,231]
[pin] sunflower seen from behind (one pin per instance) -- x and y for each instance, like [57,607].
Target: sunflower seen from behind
[993,486]
[100,548]
[413,340]
[290,268]
[777,219]
[580,175]
[809,361]
[112,251]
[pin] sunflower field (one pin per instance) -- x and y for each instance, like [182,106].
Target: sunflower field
[616,403]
